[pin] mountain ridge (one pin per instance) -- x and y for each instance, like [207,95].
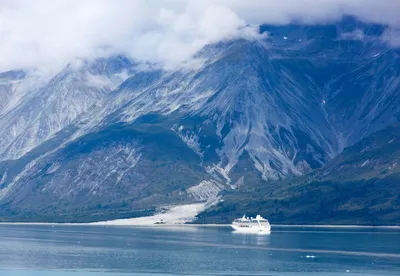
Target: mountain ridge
[252,113]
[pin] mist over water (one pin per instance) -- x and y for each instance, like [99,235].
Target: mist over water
[98,250]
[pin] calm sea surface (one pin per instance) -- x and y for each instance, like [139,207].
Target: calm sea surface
[99,250]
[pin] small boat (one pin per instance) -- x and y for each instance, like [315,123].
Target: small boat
[160,222]
[252,225]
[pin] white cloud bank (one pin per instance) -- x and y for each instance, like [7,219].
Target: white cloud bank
[51,33]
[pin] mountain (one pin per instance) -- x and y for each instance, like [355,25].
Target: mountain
[107,139]
[37,108]
[360,186]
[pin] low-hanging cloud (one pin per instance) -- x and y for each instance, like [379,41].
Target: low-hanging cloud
[48,34]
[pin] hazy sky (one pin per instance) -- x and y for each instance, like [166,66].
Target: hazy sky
[50,33]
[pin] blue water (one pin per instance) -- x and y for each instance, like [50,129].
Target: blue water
[98,250]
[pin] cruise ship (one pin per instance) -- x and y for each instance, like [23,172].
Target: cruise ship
[246,224]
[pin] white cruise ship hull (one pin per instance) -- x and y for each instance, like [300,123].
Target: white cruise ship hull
[252,229]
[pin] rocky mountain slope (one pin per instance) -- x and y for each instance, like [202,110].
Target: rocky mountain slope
[108,139]
[359,186]
[37,108]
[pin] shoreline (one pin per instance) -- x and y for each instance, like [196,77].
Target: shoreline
[97,224]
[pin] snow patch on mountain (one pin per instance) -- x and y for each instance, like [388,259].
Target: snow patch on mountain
[238,183]
[171,215]
[205,190]
[3,177]
[219,173]
[7,189]
[190,139]
[53,168]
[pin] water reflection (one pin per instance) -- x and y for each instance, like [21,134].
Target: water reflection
[194,250]
[251,233]
[253,238]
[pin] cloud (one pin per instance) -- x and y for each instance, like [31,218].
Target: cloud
[48,34]
[392,37]
[354,35]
